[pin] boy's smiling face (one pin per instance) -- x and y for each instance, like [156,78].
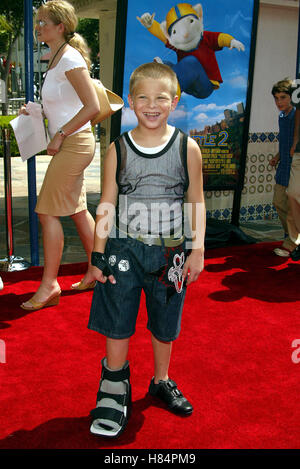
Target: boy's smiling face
[152,102]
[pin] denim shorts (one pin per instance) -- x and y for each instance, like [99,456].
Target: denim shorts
[136,266]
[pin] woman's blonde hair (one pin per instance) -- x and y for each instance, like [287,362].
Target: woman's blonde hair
[60,11]
[156,71]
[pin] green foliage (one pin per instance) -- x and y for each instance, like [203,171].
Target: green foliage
[5,120]
[14,149]
[5,30]
[4,124]
[89,29]
[13,13]
[11,23]
[12,18]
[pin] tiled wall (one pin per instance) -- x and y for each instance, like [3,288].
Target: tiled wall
[257,195]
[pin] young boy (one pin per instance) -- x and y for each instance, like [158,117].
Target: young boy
[282,92]
[147,172]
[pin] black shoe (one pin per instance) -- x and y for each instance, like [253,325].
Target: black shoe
[295,254]
[168,392]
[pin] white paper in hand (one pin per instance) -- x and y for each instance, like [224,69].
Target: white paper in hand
[30,131]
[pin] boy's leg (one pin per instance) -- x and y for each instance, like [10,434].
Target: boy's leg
[162,355]
[113,408]
[113,313]
[295,207]
[294,189]
[164,301]
[116,352]
[280,202]
[294,234]
[161,385]
[294,198]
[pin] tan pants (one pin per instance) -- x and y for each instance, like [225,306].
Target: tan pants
[281,203]
[294,189]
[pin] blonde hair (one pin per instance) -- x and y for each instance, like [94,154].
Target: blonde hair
[156,71]
[60,11]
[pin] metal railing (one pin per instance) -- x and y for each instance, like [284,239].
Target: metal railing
[11,262]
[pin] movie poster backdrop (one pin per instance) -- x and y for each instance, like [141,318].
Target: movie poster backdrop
[208,45]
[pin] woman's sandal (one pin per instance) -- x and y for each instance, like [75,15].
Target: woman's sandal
[111,415]
[83,286]
[35,306]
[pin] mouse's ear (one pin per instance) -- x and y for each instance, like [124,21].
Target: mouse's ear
[198,10]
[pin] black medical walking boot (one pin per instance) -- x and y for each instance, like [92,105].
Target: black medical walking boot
[113,408]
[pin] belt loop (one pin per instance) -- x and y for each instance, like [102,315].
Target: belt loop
[162,241]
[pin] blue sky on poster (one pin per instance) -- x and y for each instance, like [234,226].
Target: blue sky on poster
[231,16]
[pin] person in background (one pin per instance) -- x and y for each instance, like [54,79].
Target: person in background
[294,183]
[69,103]
[282,93]
[147,170]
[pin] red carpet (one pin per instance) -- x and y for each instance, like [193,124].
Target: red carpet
[233,360]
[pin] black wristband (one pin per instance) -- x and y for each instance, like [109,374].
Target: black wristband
[98,259]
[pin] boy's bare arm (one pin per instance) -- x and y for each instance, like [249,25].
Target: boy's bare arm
[196,212]
[274,161]
[296,131]
[106,209]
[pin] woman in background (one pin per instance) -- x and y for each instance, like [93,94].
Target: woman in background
[69,103]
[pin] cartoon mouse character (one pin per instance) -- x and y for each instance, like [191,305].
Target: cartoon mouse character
[197,69]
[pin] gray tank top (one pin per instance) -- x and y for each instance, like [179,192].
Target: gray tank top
[151,187]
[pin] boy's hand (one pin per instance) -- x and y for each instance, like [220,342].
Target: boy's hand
[292,151]
[101,269]
[98,275]
[193,266]
[274,161]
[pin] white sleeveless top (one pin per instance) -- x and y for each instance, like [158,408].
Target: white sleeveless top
[60,101]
